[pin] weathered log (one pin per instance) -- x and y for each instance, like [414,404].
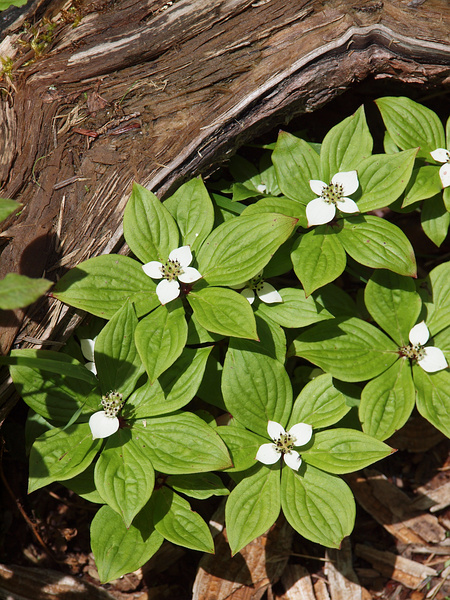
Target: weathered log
[157,92]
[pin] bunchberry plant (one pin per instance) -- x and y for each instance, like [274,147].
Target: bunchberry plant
[238,307]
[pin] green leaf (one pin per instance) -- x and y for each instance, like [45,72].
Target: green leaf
[272,338]
[319,506]
[4,4]
[223,311]
[345,146]
[17,291]
[387,401]
[149,229]
[281,205]
[296,310]
[376,243]
[174,388]
[193,210]
[319,404]
[198,485]
[336,301]
[116,358]
[239,249]
[318,258]
[393,302]
[57,387]
[61,454]
[424,183]
[102,285]
[295,164]
[174,519]
[438,316]
[253,506]
[344,450]
[411,125]
[383,178]
[181,443]
[256,389]
[349,349]
[435,219]
[433,397]
[160,338]
[124,475]
[242,445]
[84,485]
[119,550]
[8,206]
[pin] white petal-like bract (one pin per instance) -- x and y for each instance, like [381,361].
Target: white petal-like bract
[419,334]
[102,426]
[183,255]
[317,186]
[189,275]
[441,155]
[302,432]
[275,430]
[268,294]
[348,180]
[248,294]
[293,460]
[267,454]
[433,360]
[444,174]
[167,290]
[87,348]
[347,205]
[153,269]
[319,212]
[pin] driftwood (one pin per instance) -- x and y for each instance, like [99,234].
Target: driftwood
[157,92]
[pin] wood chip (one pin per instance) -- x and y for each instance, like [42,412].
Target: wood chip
[342,580]
[297,583]
[407,572]
[435,500]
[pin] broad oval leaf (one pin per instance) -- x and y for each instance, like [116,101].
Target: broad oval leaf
[174,519]
[318,258]
[383,178]
[119,550]
[223,311]
[349,349]
[160,338]
[424,183]
[438,313]
[393,302]
[193,211]
[319,404]
[387,401]
[101,286]
[124,475]
[435,219]
[238,249]
[376,243]
[319,506]
[149,229]
[296,163]
[344,450]
[345,146]
[242,445]
[181,443]
[433,397]
[18,291]
[296,310]
[253,506]
[61,454]
[198,485]
[256,389]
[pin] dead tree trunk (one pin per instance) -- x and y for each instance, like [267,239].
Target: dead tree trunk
[98,94]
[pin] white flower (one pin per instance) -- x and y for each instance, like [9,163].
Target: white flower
[87,348]
[177,267]
[430,358]
[284,442]
[262,188]
[321,210]
[105,422]
[265,291]
[443,156]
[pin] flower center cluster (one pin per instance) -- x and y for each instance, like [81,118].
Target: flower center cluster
[112,403]
[413,351]
[333,193]
[256,283]
[284,443]
[171,270]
